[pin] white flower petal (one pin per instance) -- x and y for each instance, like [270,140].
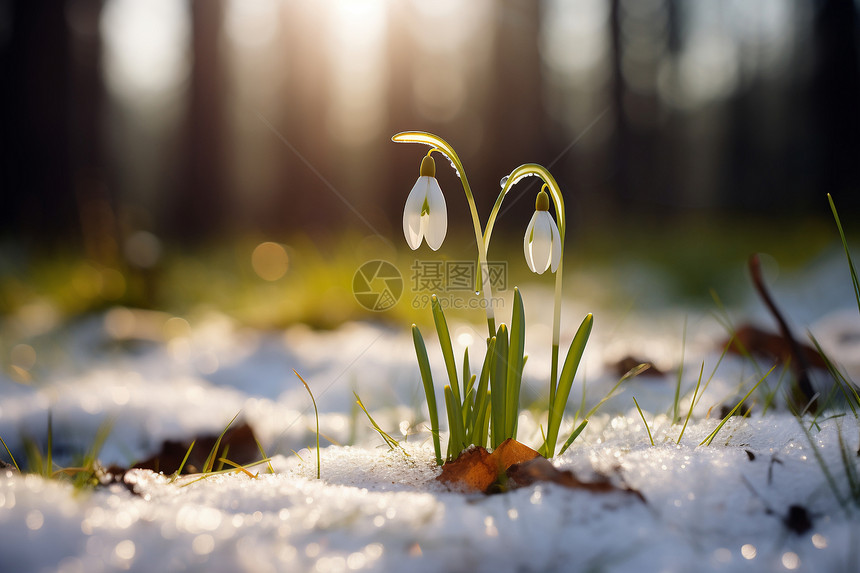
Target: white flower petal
[556,245]
[542,241]
[412,213]
[437,218]
[527,243]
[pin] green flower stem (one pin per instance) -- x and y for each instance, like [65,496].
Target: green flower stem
[555,192]
[443,147]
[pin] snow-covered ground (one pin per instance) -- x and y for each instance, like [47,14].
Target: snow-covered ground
[757,499]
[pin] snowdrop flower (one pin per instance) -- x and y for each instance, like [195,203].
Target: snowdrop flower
[542,243]
[425,215]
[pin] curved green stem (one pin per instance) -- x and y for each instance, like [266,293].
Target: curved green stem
[443,147]
[555,192]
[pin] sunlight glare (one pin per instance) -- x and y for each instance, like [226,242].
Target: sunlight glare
[358,30]
[146,46]
[251,23]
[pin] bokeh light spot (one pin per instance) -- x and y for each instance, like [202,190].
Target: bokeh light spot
[23,356]
[270,261]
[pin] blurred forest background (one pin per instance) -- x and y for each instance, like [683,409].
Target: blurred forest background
[130,127]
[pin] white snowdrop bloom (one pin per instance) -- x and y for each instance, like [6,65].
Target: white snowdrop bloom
[542,243]
[425,215]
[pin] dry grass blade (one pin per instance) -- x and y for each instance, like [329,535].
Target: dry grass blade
[316,416]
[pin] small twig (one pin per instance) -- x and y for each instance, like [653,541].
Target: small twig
[799,363]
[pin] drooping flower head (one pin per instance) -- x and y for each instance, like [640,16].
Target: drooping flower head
[425,215]
[542,242]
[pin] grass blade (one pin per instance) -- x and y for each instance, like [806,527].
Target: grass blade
[316,417]
[265,457]
[221,459]
[707,441]
[647,429]
[851,268]
[49,463]
[390,442]
[185,459]
[226,471]
[10,455]
[692,404]
[210,459]
[849,391]
[565,382]
[236,466]
[429,391]
[573,436]
[831,481]
[632,373]
[676,415]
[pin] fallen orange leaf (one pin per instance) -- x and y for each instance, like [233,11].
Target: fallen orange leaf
[512,465]
[473,470]
[512,452]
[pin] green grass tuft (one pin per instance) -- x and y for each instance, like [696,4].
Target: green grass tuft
[209,465]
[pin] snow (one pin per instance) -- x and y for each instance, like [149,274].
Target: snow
[735,505]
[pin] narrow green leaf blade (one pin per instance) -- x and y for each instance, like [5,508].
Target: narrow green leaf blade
[445,344]
[851,268]
[516,350]
[210,460]
[498,380]
[707,441]
[482,398]
[429,391]
[573,436]
[456,437]
[565,381]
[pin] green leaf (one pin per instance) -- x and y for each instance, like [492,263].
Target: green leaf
[515,366]
[467,372]
[478,434]
[468,394]
[447,350]
[565,382]
[498,380]
[457,437]
[469,404]
[429,391]
[484,428]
